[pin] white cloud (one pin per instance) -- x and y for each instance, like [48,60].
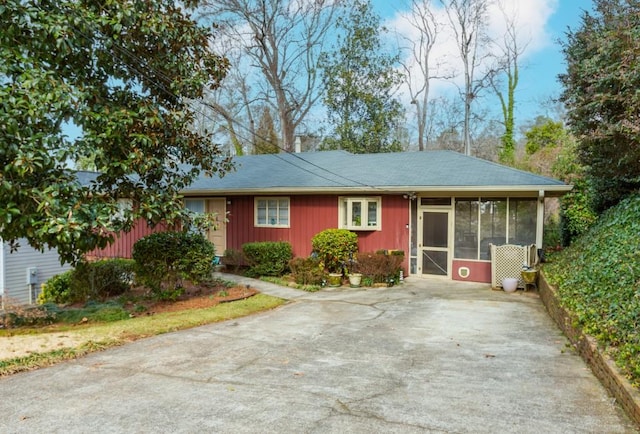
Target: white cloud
[531,18]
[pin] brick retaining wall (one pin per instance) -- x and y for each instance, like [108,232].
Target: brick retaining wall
[603,367]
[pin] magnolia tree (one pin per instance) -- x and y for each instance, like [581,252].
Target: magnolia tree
[120,76]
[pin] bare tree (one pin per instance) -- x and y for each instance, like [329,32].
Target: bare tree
[282,40]
[468,19]
[508,66]
[419,69]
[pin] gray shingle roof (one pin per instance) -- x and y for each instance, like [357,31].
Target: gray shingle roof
[341,171]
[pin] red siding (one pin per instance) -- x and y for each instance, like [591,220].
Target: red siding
[312,214]
[123,244]
[479,271]
[309,215]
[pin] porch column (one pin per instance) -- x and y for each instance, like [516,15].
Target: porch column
[540,220]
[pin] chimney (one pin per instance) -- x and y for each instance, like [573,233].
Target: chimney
[298,145]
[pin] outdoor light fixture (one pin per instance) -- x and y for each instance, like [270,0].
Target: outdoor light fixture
[410,195]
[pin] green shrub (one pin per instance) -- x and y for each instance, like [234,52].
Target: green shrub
[307,271]
[57,289]
[597,280]
[164,259]
[102,279]
[267,258]
[576,212]
[233,260]
[335,247]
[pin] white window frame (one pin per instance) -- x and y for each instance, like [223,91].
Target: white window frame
[277,223]
[345,216]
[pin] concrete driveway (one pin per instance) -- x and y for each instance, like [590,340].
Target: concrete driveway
[427,356]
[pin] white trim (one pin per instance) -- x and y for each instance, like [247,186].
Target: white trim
[364,218]
[274,225]
[555,190]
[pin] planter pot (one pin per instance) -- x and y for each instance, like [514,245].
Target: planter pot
[509,284]
[355,279]
[335,279]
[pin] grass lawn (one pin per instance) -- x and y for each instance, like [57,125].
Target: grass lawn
[25,349]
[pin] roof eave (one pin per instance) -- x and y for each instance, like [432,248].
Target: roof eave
[548,190]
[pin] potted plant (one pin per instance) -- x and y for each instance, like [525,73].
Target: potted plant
[353,270]
[334,247]
[335,279]
[355,279]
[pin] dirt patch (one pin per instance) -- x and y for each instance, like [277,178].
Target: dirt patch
[194,297]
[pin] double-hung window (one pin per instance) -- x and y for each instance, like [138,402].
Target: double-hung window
[360,213]
[272,212]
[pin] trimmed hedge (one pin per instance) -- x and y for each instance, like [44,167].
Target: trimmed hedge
[268,258]
[164,259]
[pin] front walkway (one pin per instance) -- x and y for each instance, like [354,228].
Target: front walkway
[427,356]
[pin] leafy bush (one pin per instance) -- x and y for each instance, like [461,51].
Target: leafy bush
[576,213]
[335,247]
[379,267]
[163,259]
[267,258]
[307,271]
[598,280]
[57,289]
[233,260]
[102,279]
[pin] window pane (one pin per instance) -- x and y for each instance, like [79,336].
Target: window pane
[262,212]
[356,213]
[195,205]
[372,213]
[522,221]
[272,215]
[466,235]
[493,224]
[435,231]
[345,213]
[435,201]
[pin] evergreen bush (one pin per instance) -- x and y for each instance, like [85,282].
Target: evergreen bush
[57,289]
[164,259]
[335,248]
[268,258]
[102,279]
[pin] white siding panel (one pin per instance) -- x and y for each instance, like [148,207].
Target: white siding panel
[14,270]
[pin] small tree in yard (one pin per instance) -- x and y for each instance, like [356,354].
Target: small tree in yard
[335,247]
[120,75]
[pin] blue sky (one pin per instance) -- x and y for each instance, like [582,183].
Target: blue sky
[544,24]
